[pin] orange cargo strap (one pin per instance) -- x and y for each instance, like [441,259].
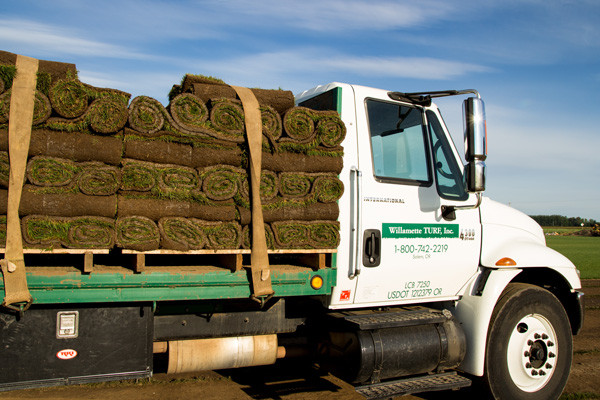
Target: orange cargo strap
[16,293]
[259,257]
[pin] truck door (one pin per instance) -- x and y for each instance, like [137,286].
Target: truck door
[409,171]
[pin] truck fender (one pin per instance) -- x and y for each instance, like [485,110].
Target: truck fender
[474,311]
[528,254]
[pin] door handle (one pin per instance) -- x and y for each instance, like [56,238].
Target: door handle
[371,248]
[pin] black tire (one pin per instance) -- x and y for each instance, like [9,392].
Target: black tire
[529,345]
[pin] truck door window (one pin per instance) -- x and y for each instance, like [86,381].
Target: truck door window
[398,142]
[448,175]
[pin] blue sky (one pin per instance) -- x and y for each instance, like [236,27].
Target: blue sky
[535,62]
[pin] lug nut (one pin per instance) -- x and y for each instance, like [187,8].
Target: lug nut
[528,365]
[551,355]
[530,342]
[550,343]
[548,366]
[544,336]
[534,373]
[542,373]
[526,354]
[537,336]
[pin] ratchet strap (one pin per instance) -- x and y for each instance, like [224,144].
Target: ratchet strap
[259,257]
[16,293]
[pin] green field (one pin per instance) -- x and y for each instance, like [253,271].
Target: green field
[583,251]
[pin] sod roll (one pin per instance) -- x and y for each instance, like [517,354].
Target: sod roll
[146,114]
[164,181]
[199,157]
[227,116]
[156,209]
[51,171]
[189,112]
[271,123]
[306,234]
[41,108]
[195,234]
[76,146]
[56,70]
[75,232]
[221,182]
[3,230]
[181,154]
[221,235]
[315,128]
[39,201]
[247,237]
[178,233]
[92,178]
[69,98]
[327,188]
[98,179]
[137,233]
[330,129]
[290,210]
[295,184]
[269,188]
[322,187]
[299,125]
[4,169]
[294,162]
[280,100]
[107,115]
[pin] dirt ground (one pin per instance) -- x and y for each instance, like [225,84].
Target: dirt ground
[283,382]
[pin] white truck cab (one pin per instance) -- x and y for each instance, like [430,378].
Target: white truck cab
[416,230]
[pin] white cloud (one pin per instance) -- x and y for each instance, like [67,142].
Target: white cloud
[535,142]
[308,66]
[37,38]
[334,15]
[405,67]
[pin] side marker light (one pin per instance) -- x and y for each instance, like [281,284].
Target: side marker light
[316,282]
[506,262]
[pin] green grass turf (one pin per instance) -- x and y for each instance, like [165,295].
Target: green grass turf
[583,251]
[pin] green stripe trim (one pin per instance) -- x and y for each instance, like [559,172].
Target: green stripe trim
[74,287]
[338,97]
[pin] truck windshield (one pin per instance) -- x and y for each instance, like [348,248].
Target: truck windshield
[398,142]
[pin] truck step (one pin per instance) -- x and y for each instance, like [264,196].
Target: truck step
[427,383]
[393,319]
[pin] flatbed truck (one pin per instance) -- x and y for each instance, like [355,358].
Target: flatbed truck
[433,285]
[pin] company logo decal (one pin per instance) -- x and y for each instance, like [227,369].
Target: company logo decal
[428,231]
[467,234]
[345,295]
[66,354]
[383,200]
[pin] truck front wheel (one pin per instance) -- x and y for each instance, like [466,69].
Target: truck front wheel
[530,346]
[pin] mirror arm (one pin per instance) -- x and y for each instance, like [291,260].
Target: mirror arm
[449,212]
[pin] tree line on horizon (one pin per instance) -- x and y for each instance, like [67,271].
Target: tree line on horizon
[561,220]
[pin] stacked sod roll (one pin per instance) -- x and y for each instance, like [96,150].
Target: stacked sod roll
[107,171]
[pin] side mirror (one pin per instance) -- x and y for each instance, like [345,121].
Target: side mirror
[475,176]
[475,143]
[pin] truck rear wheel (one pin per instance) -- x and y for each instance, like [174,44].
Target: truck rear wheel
[530,346]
